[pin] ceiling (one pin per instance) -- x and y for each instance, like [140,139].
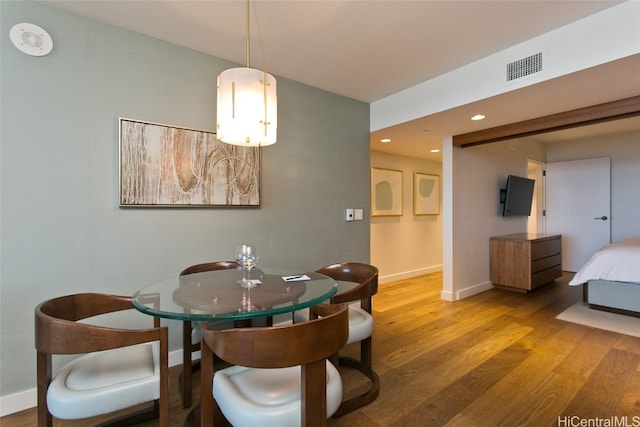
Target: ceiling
[369,49]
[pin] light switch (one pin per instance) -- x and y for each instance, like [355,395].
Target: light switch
[358,214]
[349,215]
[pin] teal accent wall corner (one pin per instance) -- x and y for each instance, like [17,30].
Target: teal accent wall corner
[62,230]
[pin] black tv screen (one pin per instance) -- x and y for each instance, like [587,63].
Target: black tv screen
[518,196]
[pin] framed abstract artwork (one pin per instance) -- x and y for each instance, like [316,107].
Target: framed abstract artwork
[162,165]
[386,192]
[426,194]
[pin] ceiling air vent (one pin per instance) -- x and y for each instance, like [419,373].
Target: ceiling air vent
[524,67]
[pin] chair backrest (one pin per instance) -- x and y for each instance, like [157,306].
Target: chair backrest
[286,345]
[191,332]
[307,344]
[58,332]
[211,266]
[364,274]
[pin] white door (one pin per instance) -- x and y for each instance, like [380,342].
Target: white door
[578,207]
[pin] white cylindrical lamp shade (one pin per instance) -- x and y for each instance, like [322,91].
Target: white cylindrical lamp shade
[247,107]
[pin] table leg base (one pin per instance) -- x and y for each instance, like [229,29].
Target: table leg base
[193,419]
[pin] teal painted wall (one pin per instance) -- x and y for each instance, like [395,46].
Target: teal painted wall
[62,231]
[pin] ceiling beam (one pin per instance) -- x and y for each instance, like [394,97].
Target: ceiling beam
[620,109]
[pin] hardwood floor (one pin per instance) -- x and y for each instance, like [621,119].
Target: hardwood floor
[499,358]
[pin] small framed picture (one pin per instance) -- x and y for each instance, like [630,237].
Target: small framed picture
[426,194]
[386,192]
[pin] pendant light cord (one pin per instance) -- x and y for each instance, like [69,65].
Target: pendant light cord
[248,42]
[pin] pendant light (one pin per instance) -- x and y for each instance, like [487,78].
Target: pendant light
[247,107]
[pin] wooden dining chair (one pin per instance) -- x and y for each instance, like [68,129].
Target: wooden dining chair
[359,300]
[280,374]
[120,368]
[191,335]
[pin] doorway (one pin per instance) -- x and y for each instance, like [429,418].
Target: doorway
[578,207]
[535,223]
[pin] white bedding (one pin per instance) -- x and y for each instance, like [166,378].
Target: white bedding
[619,262]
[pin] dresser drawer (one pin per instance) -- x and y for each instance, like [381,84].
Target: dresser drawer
[545,276]
[545,263]
[545,248]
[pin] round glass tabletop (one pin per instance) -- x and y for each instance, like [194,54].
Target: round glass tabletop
[217,295]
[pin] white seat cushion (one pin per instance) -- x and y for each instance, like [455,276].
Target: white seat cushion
[360,322]
[106,381]
[268,397]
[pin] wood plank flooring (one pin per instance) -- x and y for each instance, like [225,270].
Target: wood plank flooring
[499,358]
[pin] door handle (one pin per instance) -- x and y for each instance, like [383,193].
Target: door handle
[603,217]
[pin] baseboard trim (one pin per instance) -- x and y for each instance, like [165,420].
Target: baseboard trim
[28,399]
[473,290]
[446,295]
[409,274]
[18,402]
[466,292]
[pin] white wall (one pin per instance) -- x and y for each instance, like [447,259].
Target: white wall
[478,175]
[624,151]
[408,245]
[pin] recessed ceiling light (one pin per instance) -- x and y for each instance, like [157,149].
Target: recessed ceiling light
[435,150]
[477,117]
[385,140]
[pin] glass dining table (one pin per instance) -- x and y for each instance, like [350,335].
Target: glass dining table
[214,296]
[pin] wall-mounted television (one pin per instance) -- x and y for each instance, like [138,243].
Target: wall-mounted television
[518,196]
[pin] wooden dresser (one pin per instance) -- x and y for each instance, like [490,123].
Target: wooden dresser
[524,261]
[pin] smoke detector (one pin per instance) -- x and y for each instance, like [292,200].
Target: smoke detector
[31,39]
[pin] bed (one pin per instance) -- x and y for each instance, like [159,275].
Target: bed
[611,278]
